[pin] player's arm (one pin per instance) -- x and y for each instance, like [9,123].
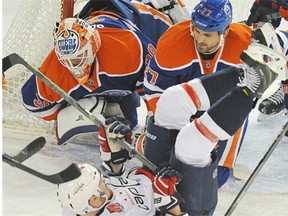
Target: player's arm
[40,99]
[112,153]
[163,180]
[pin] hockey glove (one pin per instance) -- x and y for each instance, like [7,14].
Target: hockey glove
[163,179]
[110,149]
[261,8]
[168,205]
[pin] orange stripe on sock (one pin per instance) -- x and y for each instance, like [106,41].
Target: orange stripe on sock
[192,94]
[229,161]
[205,131]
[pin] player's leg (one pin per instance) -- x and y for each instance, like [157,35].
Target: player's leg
[160,136]
[196,140]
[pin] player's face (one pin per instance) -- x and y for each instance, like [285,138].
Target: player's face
[96,201]
[206,42]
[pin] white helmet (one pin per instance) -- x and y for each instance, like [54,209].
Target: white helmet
[75,194]
[76,46]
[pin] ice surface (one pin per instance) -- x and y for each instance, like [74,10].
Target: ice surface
[24,194]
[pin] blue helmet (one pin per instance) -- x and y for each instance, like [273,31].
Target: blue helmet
[212,15]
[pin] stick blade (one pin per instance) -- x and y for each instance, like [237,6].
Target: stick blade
[70,173]
[31,149]
[7,62]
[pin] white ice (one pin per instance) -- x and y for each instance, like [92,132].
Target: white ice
[24,194]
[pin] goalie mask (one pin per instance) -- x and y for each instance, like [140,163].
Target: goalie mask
[75,194]
[212,15]
[76,46]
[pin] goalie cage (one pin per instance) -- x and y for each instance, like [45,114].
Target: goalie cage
[30,36]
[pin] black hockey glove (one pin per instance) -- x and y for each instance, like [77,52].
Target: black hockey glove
[110,149]
[261,8]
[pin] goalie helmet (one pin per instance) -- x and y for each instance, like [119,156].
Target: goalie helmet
[76,193]
[212,15]
[76,45]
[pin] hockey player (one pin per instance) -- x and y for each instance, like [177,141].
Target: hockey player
[194,155]
[93,194]
[142,194]
[99,60]
[274,105]
[192,49]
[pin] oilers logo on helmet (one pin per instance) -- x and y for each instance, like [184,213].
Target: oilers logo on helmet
[68,42]
[227,10]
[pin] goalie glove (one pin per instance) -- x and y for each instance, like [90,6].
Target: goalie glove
[163,179]
[110,149]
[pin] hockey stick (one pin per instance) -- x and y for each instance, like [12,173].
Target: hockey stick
[65,175]
[29,150]
[14,59]
[256,171]
[35,146]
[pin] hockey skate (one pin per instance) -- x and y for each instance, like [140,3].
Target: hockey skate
[258,74]
[272,107]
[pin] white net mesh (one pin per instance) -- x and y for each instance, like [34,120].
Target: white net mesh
[30,35]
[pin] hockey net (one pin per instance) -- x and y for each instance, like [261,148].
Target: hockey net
[30,35]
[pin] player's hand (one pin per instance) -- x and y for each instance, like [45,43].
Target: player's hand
[163,179]
[110,149]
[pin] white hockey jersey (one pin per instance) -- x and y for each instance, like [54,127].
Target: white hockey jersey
[132,197]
